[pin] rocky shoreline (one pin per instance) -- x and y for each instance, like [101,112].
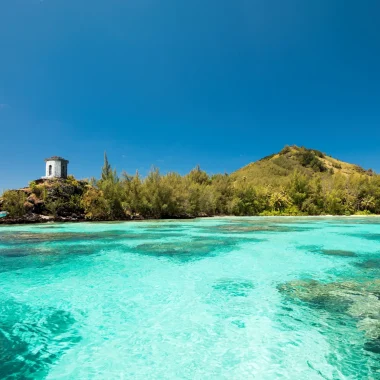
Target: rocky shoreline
[41,219]
[36,219]
[33,219]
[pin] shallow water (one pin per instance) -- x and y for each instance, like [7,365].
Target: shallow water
[197,299]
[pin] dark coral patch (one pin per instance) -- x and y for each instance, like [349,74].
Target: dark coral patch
[28,237]
[367,236]
[338,252]
[357,300]
[328,252]
[31,340]
[309,248]
[194,249]
[56,250]
[369,264]
[373,346]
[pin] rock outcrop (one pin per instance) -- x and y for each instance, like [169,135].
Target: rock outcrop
[45,200]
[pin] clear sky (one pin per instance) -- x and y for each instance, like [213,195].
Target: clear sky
[174,83]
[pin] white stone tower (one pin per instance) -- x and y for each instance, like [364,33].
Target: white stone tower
[56,167]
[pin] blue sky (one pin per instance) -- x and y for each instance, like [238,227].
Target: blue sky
[178,83]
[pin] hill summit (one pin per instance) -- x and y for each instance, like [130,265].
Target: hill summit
[277,168]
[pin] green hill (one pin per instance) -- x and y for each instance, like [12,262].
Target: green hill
[277,168]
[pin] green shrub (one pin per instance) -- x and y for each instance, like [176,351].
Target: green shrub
[55,207]
[14,203]
[271,213]
[293,211]
[363,212]
[32,185]
[309,159]
[95,206]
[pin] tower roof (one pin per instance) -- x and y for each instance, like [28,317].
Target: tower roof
[56,158]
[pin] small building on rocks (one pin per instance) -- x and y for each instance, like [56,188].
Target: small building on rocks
[56,167]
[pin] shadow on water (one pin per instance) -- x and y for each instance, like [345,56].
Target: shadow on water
[32,339]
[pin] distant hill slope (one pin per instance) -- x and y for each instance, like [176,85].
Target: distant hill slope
[277,168]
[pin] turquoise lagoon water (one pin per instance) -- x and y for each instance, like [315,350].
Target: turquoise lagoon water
[195,299]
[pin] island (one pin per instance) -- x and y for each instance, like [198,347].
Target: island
[295,181]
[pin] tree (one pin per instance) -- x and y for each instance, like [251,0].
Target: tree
[298,189]
[279,201]
[112,190]
[106,170]
[199,176]
[95,205]
[368,203]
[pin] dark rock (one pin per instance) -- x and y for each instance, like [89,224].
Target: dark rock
[28,207]
[137,217]
[33,199]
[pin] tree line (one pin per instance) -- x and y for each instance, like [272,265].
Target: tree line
[171,195]
[199,194]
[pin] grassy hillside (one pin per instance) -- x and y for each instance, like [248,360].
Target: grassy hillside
[277,169]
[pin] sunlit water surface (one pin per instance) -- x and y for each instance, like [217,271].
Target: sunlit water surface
[195,299]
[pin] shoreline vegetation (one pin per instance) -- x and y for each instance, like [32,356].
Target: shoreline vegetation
[294,182]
